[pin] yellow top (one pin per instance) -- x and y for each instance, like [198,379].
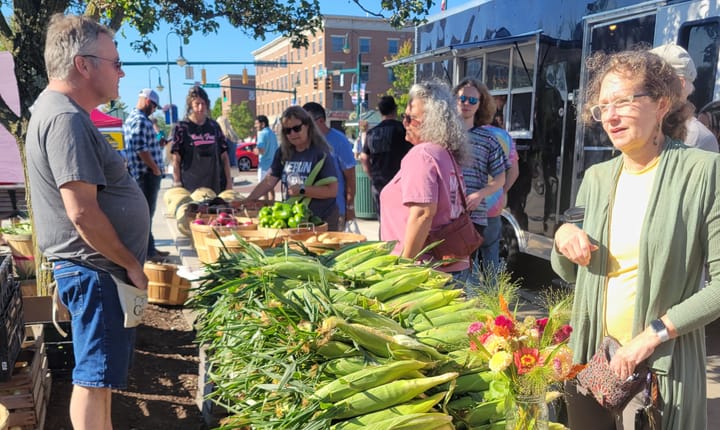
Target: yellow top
[626,219]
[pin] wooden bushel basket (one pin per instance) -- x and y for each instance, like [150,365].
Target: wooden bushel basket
[164,285]
[202,232]
[334,240]
[21,247]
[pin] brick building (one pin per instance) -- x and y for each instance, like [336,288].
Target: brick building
[231,96]
[333,47]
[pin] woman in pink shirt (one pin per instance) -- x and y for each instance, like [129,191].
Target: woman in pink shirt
[423,196]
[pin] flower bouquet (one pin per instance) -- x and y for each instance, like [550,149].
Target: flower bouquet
[529,355]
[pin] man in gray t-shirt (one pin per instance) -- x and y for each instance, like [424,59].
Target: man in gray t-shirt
[90,217]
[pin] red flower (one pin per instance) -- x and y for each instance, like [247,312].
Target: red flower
[526,359]
[503,326]
[562,334]
[541,323]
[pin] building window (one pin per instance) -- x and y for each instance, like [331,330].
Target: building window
[338,101]
[391,75]
[306,52]
[337,65]
[365,73]
[337,43]
[393,46]
[306,77]
[364,45]
[320,44]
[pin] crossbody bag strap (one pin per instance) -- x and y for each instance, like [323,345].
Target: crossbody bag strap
[460,190]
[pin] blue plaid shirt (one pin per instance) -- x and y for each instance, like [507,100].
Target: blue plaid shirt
[140,137]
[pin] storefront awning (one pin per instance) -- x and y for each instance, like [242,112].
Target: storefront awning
[448,52]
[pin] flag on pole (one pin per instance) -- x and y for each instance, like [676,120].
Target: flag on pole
[443,5]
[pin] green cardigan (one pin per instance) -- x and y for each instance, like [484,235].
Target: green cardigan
[681,231]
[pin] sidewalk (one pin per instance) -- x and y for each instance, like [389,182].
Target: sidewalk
[167,238]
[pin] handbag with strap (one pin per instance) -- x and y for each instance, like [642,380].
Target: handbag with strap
[459,238]
[608,389]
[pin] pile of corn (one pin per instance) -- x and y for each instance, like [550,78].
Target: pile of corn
[358,339]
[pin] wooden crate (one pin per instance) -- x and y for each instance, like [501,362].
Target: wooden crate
[27,393]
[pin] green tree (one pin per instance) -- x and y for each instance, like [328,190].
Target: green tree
[241,119]
[23,25]
[404,76]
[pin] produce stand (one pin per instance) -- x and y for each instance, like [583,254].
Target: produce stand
[392,334]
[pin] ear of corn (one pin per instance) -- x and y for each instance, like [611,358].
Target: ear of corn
[385,396]
[466,316]
[463,361]
[473,382]
[368,338]
[410,297]
[407,342]
[344,366]
[368,267]
[366,378]
[432,301]
[452,307]
[485,412]
[325,181]
[359,255]
[497,425]
[396,286]
[446,338]
[425,421]
[412,407]
[303,271]
[335,349]
[367,317]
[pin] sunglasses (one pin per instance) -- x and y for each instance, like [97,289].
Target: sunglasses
[471,100]
[296,129]
[117,63]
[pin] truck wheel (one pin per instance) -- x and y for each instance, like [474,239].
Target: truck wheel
[509,250]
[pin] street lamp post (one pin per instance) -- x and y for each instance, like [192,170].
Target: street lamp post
[160,86]
[358,70]
[181,61]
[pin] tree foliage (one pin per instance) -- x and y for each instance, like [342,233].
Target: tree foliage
[404,76]
[240,116]
[23,32]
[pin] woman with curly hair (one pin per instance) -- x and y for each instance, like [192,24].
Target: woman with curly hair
[423,195]
[652,220]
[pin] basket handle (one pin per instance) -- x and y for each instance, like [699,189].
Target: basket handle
[305,225]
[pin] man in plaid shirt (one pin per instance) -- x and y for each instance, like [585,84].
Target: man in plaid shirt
[144,155]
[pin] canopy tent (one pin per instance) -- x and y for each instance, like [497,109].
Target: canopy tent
[104,120]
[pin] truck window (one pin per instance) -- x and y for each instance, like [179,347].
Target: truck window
[702,41]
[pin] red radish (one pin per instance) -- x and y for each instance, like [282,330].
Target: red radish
[199,221]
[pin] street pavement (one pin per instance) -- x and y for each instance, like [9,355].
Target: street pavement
[168,238]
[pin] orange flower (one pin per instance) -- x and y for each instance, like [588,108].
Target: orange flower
[526,359]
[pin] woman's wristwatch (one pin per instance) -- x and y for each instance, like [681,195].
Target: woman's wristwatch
[660,330]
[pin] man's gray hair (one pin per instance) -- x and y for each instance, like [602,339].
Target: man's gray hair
[67,37]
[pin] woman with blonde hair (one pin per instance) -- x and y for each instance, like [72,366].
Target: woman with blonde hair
[424,194]
[302,147]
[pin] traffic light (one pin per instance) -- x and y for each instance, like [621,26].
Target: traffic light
[315,83]
[328,83]
[245,76]
[224,95]
[203,76]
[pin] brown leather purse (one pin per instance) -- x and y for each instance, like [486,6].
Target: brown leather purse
[459,237]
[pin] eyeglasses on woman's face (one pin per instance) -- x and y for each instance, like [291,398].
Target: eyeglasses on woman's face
[621,105]
[470,100]
[296,129]
[117,63]
[410,120]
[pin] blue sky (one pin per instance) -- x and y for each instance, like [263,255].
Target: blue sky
[229,44]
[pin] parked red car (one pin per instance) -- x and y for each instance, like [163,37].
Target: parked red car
[246,158]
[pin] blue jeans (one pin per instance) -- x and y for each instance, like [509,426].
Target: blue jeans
[231,152]
[150,186]
[490,249]
[102,346]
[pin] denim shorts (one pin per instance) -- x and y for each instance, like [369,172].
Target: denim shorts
[103,347]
